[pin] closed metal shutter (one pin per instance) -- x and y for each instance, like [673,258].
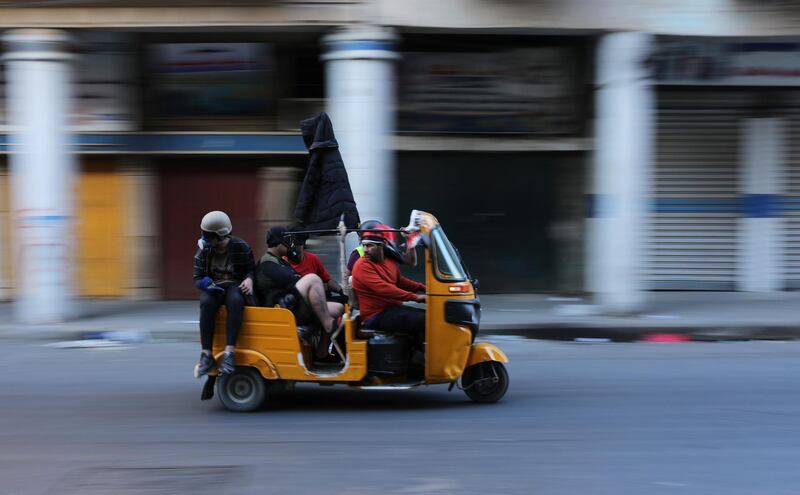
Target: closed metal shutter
[790,110]
[694,214]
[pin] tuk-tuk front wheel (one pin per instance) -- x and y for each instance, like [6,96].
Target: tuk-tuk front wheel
[485,382]
[244,390]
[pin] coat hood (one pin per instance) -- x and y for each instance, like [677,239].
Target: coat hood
[318,132]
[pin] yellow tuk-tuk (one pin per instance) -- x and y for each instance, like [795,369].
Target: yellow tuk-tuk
[273,351]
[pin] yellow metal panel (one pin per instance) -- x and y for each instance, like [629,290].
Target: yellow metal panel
[100,256]
[485,352]
[7,274]
[272,333]
[447,345]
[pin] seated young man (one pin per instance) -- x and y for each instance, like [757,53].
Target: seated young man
[276,278]
[382,290]
[305,262]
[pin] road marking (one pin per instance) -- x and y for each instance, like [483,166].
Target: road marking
[668,483]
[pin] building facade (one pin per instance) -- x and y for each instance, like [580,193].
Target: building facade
[571,146]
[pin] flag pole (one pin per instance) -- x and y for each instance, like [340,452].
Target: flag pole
[343,282]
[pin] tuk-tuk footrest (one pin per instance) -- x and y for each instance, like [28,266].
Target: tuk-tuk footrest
[367,333]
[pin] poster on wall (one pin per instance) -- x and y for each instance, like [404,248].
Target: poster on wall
[698,63]
[525,90]
[211,79]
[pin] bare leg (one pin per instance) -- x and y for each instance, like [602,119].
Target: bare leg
[335,309]
[311,289]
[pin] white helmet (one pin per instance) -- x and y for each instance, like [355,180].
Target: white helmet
[216,222]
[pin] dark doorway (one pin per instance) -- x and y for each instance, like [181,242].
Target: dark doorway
[495,207]
[190,188]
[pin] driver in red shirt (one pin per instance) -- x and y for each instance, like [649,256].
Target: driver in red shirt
[381,291]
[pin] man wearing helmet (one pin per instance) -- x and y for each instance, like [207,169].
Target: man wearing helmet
[223,272]
[404,253]
[382,290]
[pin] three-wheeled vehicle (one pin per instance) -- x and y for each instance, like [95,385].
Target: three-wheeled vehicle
[272,351]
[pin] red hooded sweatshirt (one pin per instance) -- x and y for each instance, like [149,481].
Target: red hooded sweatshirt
[380,285]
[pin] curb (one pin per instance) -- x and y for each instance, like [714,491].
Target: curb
[646,334]
[540,332]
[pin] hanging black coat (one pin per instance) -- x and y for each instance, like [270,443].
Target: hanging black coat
[325,194]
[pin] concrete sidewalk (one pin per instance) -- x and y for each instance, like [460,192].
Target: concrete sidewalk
[699,315]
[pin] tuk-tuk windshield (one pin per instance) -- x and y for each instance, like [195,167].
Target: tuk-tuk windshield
[446,263]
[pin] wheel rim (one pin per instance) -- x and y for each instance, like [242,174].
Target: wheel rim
[240,388]
[487,380]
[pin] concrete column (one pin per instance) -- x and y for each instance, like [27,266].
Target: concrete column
[360,90]
[763,141]
[42,171]
[621,174]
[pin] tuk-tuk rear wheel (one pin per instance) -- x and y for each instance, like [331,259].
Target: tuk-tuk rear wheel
[485,382]
[244,390]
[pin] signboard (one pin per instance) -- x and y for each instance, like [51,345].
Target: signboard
[727,64]
[211,79]
[105,90]
[525,90]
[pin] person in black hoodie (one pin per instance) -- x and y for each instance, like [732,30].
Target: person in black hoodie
[223,271]
[325,194]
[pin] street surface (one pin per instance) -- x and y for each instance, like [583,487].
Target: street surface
[700,418]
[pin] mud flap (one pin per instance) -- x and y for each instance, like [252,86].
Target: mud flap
[208,388]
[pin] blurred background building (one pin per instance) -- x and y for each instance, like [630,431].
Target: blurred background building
[569,146]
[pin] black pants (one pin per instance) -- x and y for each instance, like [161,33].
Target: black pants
[401,320]
[210,302]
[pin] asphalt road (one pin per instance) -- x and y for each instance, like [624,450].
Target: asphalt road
[701,418]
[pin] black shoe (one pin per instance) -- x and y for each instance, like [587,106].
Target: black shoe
[205,365]
[228,364]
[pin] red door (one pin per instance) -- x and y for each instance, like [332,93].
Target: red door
[189,191]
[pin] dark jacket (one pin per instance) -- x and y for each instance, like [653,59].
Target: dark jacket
[241,256]
[275,277]
[325,194]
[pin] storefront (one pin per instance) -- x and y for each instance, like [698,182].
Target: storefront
[491,139]
[714,188]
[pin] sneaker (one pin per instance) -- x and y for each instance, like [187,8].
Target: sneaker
[228,364]
[205,365]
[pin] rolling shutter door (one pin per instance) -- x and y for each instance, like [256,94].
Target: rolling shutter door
[695,209]
[791,203]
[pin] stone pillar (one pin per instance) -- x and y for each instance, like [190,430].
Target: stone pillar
[621,174]
[763,142]
[42,173]
[360,88]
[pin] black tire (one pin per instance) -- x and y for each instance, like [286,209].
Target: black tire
[244,390]
[479,384]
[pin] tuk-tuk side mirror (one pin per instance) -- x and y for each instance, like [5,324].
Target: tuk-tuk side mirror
[475,283]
